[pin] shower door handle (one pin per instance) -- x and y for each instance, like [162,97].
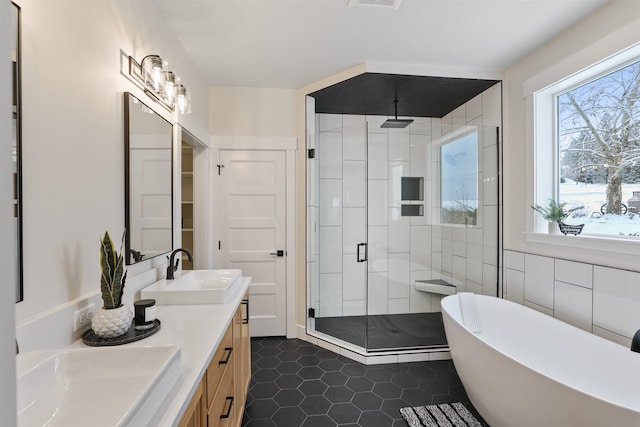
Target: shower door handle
[366,250]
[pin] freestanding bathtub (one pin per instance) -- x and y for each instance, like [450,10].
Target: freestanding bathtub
[523,368]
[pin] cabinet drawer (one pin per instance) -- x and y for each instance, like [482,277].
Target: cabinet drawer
[219,364]
[222,410]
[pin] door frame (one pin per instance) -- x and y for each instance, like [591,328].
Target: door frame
[266,143]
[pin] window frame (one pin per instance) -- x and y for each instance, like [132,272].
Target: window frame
[542,132]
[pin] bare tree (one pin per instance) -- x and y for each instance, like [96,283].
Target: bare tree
[606,112]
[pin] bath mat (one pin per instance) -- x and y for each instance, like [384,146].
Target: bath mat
[443,415]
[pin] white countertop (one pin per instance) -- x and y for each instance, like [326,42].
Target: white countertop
[197,329]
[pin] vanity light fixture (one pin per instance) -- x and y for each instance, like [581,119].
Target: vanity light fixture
[159,83]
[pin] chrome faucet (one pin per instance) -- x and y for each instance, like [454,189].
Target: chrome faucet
[171,268]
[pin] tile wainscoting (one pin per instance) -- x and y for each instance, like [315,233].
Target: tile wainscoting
[602,300]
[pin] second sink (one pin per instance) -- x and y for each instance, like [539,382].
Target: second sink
[196,287]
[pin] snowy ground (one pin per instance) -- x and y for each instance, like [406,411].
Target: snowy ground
[592,197]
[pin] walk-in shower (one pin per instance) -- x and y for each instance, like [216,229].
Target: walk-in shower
[397,219]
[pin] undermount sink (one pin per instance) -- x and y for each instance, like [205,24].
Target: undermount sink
[105,386]
[196,287]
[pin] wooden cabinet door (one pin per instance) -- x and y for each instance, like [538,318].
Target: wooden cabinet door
[196,413]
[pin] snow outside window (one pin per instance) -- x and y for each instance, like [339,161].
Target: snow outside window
[598,152]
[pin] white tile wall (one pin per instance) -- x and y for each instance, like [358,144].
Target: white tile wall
[598,299]
[330,249]
[399,276]
[330,154]
[354,138]
[538,280]
[573,304]
[354,277]
[399,144]
[353,183]
[354,229]
[330,202]
[330,295]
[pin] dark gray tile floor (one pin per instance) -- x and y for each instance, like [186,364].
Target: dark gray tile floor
[295,383]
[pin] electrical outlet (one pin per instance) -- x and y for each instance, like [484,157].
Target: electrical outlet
[83,317]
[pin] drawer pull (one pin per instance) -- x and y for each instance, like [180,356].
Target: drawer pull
[229,350]
[246,319]
[227,414]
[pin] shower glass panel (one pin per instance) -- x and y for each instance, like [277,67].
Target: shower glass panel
[397,220]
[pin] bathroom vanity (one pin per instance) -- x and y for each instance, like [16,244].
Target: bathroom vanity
[221,392]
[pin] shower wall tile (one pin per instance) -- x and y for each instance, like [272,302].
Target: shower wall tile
[374,123]
[354,308]
[474,270]
[378,210]
[312,182]
[490,235]
[419,155]
[354,183]
[459,116]
[514,286]
[459,272]
[446,124]
[330,202]
[421,126]
[573,305]
[474,236]
[398,306]
[354,138]
[616,300]
[354,276]
[377,295]
[330,122]
[473,109]
[378,156]
[311,233]
[419,302]
[354,229]
[420,247]
[538,280]
[489,136]
[330,155]
[576,273]
[399,232]
[489,279]
[330,249]
[490,175]
[399,276]
[330,295]
[378,238]
[474,287]
[397,169]
[399,145]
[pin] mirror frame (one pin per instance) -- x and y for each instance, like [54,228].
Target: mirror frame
[127,178]
[16,81]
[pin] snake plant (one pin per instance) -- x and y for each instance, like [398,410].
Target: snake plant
[113,278]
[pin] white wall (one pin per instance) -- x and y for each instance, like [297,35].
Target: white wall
[608,31]
[592,288]
[73,147]
[7,251]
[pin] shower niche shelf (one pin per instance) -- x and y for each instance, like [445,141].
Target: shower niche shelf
[412,188]
[412,210]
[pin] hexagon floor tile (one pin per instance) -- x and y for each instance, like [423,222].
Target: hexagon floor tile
[296,383]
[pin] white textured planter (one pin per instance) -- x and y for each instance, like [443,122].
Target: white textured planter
[112,323]
[553,228]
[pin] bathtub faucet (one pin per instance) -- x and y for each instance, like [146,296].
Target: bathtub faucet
[171,268]
[635,342]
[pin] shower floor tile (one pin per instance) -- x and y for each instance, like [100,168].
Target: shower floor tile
[386,331]
[339,392]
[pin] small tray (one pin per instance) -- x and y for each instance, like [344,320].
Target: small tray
[90,338]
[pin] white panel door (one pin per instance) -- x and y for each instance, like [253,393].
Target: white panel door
[252,230]
[150,200]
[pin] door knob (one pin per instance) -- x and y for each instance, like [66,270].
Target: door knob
[278,253]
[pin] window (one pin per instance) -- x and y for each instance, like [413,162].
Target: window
[459,180]
[598,152]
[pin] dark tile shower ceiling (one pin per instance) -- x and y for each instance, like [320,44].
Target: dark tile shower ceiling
[419,96]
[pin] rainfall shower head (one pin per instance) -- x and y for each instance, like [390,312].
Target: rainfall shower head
[396,123]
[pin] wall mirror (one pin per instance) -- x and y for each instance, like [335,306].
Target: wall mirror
[16,144]
[148,181]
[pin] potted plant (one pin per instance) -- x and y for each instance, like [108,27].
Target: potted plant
[113,319]
[555,213]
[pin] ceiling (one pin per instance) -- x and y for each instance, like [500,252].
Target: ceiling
[420,96]
[293,43]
